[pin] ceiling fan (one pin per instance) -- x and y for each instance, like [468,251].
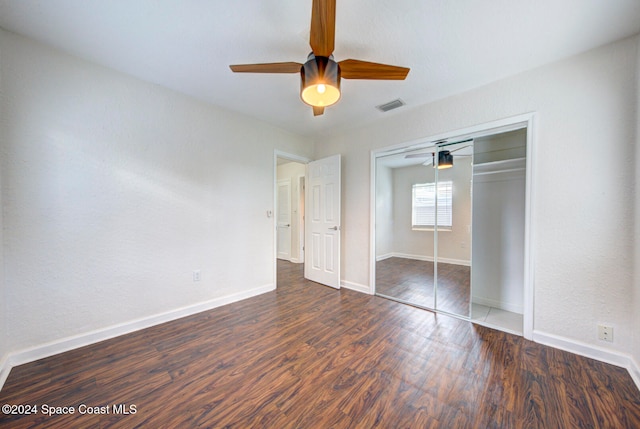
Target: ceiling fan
[445,157]
[320,74]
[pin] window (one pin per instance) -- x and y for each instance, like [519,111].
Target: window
[423,213]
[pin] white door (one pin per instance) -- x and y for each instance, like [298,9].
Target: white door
[322,229]
[284,219]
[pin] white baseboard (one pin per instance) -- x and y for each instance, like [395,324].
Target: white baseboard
[591,351]
[634,371]
[65,344]
[356,287]
[383,257]
[427,258]
[514,308]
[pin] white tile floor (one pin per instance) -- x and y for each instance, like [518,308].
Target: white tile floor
[497,318]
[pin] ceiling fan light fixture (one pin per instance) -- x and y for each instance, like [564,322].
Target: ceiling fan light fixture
[445,160]
[320,81]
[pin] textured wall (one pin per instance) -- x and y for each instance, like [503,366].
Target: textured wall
[583,213]
[115,190]
[4,346]
[636,289]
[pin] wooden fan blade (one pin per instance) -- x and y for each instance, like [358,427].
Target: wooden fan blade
[356,69]
[323,27]
[317,111]
[289,67]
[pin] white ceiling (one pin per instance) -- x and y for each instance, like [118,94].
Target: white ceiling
[450,46]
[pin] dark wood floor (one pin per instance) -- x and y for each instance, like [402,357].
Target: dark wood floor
[308,356]
[412,281]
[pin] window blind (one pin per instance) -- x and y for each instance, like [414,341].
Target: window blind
[424,204]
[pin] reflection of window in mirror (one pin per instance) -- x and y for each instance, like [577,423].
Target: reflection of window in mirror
[423,211]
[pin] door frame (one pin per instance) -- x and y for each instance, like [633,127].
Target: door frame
[277,212]
[301,213]
[527,121]
[271,213]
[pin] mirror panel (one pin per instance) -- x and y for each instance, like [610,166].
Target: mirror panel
[453,232]
[404,251]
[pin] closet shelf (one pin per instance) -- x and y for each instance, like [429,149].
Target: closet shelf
[503,166]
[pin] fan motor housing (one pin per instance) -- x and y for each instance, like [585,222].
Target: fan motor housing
[320,81]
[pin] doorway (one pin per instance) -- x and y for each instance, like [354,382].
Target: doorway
[289,213]
[289,182]
[301,186]
[456,240]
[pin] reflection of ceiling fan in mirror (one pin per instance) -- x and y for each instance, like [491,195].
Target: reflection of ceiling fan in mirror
[320,75]
[445,157]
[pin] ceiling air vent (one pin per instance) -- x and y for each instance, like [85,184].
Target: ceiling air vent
[390,105]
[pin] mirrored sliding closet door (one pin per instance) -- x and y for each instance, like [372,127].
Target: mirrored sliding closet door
[423,227]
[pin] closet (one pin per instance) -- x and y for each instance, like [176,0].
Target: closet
[423,227]
[450,227]
[499,188]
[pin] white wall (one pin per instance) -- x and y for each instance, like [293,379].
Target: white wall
[500,147]
[586,105]
[453,246]
[384,212]
[293,171]
[115,190]
[4,347]
[636,288]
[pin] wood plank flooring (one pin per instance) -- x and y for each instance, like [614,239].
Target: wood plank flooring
[308,356]
[412,281]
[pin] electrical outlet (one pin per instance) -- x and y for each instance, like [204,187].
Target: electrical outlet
[605,333]
[196,275]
